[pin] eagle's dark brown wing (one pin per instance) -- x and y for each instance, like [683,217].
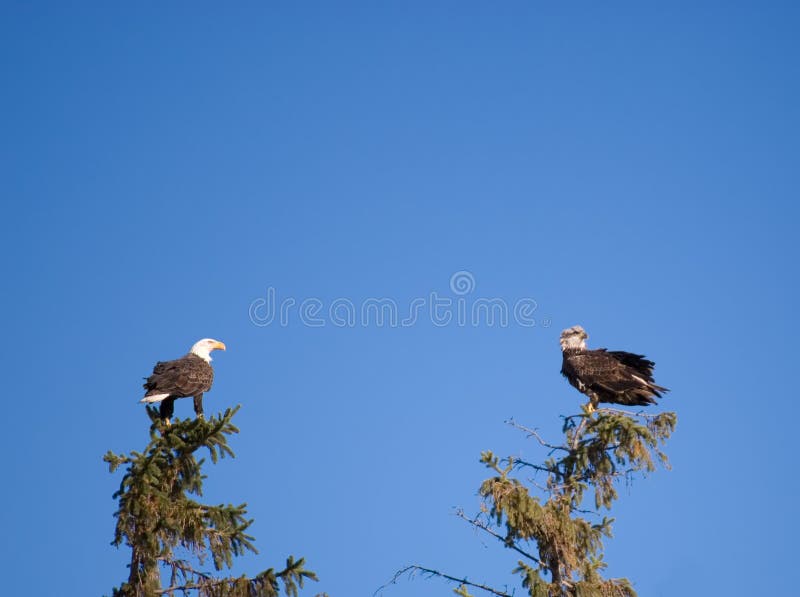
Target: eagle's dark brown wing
[637,361]
[187,376]
[615,377]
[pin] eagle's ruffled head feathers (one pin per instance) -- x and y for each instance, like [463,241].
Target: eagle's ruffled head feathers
[574,337]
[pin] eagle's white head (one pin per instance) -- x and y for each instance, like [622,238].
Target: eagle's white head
[574,337]
[202,348]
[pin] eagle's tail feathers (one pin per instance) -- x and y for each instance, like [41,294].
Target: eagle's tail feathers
[154,398]
[658,390]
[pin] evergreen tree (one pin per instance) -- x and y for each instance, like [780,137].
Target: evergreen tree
[561,550]
[171,535]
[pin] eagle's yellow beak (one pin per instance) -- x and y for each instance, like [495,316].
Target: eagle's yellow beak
[219,346]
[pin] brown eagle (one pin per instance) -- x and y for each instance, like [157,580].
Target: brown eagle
[190,375]
[604,375]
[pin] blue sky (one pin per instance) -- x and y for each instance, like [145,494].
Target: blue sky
[628,166]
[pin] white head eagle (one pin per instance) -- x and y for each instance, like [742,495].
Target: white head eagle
[190,375]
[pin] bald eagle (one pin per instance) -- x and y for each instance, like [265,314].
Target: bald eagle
[190,375]
[605,375]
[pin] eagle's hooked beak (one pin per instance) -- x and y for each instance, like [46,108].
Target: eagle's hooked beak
[219,346]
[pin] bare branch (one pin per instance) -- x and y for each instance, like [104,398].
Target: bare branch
[518,463]
[533,433]
[485,527]
[544,488]
[578,433]
[630,413]
[415,568]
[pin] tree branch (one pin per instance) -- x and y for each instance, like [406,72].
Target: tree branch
[619,411]
[196,586]
[498,536]
[518,463]
[415,568]
[533,433]
[578,433]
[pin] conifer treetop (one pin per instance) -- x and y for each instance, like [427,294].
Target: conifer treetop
[557,539]
[172,535]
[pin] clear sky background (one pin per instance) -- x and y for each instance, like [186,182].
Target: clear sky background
[630,166]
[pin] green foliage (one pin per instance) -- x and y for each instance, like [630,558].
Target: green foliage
[600,448]
[158,518]
[560,539]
